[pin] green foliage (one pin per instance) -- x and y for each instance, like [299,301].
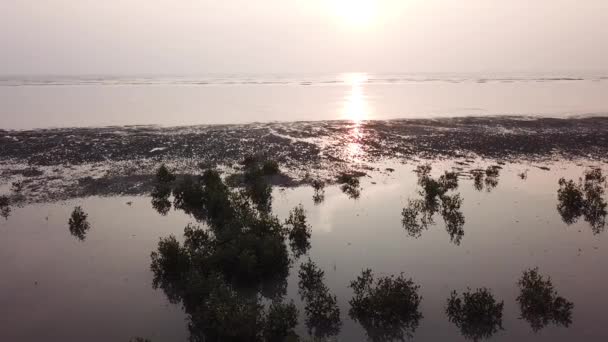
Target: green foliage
[417,216]
[78,223]
[322,311]
[270,167]
[585,199]
[299,231]
[280,321]
[387,308]
[477,314]
[539,302]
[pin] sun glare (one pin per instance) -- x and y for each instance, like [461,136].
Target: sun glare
[355,12]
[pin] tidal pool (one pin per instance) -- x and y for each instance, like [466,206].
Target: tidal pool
[496,242]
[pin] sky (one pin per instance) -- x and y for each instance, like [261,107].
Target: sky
[299,36]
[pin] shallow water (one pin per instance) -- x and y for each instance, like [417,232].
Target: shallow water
[56,287]
[42,102]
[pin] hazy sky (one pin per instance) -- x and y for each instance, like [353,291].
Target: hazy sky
[198,36]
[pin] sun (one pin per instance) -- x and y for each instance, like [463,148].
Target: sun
[357,13]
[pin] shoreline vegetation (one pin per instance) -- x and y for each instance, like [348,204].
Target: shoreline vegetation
[57,164]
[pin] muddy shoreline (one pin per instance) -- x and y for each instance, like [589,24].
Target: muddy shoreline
[58,164]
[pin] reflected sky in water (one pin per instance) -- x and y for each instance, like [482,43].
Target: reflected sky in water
[102,289]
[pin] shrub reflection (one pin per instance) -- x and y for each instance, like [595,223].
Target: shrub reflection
[477,314]
[78,223]
[583,198]
[539,302]
[387,307]
[322,311]
[418,215]
[230,275]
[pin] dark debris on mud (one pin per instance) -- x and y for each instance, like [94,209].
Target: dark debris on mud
[73,162]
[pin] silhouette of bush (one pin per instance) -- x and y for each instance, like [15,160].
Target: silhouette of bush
[163,175]
[387,308]
[257,168]
[319,187]
[280,321]
[78,223]
[477,314]
[5,207]
[585,199]
[188,196]
[350,184]
[299,231]
[539,302]
[270,167]
[160,198]
[221,273]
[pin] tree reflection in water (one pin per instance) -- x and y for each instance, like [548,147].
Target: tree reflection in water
[231,274]
[487,178]
[349,184]
[387,307]
[78,223]
[299,231]
[477,314]
[539,302]
[583,198]
[418,215]
[322,311]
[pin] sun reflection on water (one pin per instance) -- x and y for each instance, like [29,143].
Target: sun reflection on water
[356,109]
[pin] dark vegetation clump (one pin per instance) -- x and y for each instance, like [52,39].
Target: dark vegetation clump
[321,308]
[160,199]
[477,314]
[163,175]
[257,171]
[231,274]
[5,207]
[478,176]
[78,223]
[299,231]
[523,175]
[162,190]
[387,308]
[17,186]
[539,302]
[583,198]
[487,178]
[418,215]
[319,188]
[349,184]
